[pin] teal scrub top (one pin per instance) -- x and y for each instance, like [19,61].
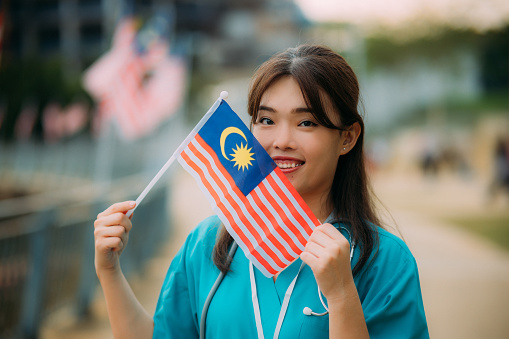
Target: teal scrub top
[388,289]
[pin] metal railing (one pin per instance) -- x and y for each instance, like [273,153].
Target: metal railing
[47,253]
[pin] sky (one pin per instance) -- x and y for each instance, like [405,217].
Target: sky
[480,15]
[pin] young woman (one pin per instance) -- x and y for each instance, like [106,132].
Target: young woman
[303,104]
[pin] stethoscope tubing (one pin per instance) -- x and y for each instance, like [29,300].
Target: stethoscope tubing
[213,290]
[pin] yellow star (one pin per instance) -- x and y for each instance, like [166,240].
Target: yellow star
[242,156]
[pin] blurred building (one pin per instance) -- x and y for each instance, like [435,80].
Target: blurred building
[78,31]
[55,40]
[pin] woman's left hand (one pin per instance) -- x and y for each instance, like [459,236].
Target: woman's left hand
[327,253]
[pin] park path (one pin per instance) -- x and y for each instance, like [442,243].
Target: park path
[464,279]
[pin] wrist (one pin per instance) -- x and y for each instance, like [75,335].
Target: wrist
[108,273]
[343,295]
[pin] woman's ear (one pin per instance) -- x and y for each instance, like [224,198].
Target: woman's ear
[349,138]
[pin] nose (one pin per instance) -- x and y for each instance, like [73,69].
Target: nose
[284,138]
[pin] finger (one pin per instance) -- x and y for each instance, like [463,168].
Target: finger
[113,220]
[321,238]
[330,247]
[308,258]
[110,244]
[121,207]
[314,249]
[334,236]
[331,231]
[111,231]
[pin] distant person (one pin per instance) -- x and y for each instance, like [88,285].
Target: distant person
[430,157]
[500,182]
[303,103]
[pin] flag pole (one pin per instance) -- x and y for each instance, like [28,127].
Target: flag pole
[177,152]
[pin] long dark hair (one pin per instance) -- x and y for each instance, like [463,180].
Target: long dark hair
[319,70]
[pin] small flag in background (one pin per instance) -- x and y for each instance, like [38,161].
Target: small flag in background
[259,207]
[138,87]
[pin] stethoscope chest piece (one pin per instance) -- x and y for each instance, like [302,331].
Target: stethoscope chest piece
[308,311]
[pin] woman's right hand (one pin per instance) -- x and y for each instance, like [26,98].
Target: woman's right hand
[127,316]
[111,234]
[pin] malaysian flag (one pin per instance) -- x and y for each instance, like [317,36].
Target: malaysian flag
[259,207]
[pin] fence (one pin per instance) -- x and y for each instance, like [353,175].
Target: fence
[46,255]
[46,226]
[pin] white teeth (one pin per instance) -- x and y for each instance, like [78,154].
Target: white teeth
[288,165]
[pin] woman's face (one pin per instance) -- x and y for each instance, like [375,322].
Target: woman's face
[307,153]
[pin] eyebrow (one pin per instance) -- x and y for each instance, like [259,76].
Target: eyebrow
[295,110]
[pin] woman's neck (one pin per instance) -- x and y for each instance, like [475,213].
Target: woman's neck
[320,207]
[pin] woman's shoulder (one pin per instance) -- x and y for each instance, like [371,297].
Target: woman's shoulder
[391,259]
[389,243]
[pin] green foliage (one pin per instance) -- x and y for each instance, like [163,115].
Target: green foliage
[460,111]
[35,81]
[386,51]
[495,228]
[492,54]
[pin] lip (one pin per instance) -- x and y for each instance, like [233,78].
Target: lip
[290,160]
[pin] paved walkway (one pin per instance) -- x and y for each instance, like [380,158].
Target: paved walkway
[465,280]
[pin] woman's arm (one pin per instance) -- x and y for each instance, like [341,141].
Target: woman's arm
[327,253]
[127,316]
[346,319]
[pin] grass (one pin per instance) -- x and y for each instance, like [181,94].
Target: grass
[494,228]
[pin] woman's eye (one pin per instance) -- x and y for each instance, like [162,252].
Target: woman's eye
[266,121]
[308,123]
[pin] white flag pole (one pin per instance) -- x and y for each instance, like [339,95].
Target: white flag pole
[177,152]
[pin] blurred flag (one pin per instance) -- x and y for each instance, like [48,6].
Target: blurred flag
[259,207]
[138,86]
[25,122]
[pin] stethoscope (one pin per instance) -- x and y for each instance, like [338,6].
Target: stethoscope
[307,311]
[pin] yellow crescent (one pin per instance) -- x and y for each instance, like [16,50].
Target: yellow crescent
[225,134]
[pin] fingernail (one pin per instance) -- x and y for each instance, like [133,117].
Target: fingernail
[132,204]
